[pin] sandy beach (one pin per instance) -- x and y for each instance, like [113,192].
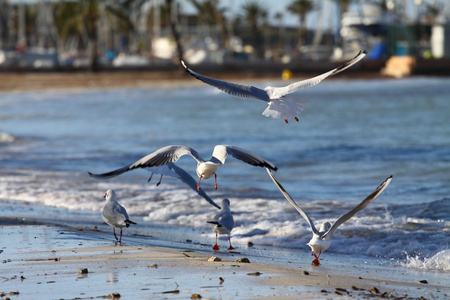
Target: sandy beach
[53,81]
[41,261]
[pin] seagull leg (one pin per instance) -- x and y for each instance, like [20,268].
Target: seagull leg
[296,119]
[316,261]
[159,182]
[215,181]
[150,178]
[120,240]
[231,247]
[198,184]
[114,231]
[285,120]
[216,247]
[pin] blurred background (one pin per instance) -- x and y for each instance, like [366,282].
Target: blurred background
[155,34]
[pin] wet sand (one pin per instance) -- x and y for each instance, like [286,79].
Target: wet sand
[46,262]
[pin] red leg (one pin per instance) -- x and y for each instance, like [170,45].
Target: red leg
[114,231]
[296,119]
[216,247]
[198,184]
[150,178]
[120,240]
[285,120]
[159,182]
[215,181]
[231,247]
[316,261]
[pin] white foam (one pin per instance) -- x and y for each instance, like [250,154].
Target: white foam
[439,261]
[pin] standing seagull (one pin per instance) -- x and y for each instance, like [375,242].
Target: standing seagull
[115,214]
[321,239]
[205,168]
[223,222]
[279,107]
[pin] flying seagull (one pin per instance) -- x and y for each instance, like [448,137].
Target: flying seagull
[279,107]
[321,239]
[114,214]
[223,223]
[205,168]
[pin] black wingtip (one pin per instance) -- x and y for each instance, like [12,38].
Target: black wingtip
[364,51]
[90,174]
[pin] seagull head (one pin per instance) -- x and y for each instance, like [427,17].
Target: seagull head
[324,227]
[110,195]
[225,203]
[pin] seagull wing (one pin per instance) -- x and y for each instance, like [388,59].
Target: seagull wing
[294,204]
[345,217]
[237,90]
[115,213]
[276,93]
[226,220]
[222,151]
[190,181]
[160,157]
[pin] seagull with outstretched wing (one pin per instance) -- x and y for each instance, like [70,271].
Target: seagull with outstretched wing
[205,168]
[321,239]
[279,107]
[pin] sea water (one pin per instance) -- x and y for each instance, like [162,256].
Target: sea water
[352,135]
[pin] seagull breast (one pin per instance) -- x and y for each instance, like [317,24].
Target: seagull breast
[319,244]
[206,169]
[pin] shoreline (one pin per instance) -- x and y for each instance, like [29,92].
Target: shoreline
[42,259]
[53,81]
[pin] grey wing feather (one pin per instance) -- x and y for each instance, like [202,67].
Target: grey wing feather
[292,202]
[237,90]
[160,157]
[221,152]
[190,181]
[115,213]
[374,195]
[282,91]
[109,174]
[227,221]
[164,156]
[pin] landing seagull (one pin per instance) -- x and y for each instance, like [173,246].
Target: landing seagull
[321,239]
[279,107]
[114,214]
[205,168]
[224,223]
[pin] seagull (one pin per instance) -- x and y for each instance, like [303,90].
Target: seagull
[321,239]
[223,222]
[205,168]
[114,214]
[279,107]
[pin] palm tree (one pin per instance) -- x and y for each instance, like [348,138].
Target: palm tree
[80,19]
[301,8]
[254,14]
[175,34]
[210,14]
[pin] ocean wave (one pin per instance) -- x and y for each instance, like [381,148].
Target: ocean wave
[6,138]
[438,261]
